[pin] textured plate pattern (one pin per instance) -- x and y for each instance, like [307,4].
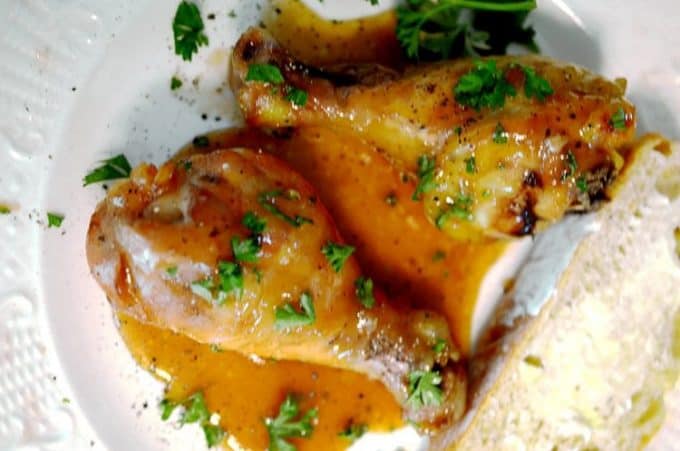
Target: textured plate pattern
[50,48]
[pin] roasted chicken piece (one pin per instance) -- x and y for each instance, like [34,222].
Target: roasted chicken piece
[500,145]
[233,248]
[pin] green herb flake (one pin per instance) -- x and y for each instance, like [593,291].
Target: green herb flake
[500,136]
[337,254]
[213,434]
[535,85]
[195,411]
[54,220]
[215,348]
[353,432]
[4,210]
[439,346]
[363,288]
[484,86]
[426,169]
[424,389]
[582,184]
[297,96]
[438,256]
[254,223]
[232,14]
[618,120]
[461,209]
[572,165]
[266,73]
[267,201]
[287,316]
[391,199]
[290,423]
[216,289]
[175,83]
[171,271]
[167,407]
[117,167]
[458,130]
[470,165]
[245,250]
[187,28]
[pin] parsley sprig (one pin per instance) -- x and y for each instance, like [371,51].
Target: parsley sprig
[187,28]
[486,85]
[363,287]
[195,411]
[426,168]
[268,201]
[287,316]
[228,280]
[424,389]
[117,167]
[336,254]
[441,29]
[289,423]
[353,431]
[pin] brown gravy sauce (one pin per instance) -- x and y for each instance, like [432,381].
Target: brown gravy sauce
[371,203]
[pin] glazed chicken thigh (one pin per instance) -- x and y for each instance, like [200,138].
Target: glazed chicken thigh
[500,145]
[231,248]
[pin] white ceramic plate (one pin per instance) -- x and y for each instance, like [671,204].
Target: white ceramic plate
[80,81]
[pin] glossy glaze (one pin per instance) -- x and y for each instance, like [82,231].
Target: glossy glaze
[515,185]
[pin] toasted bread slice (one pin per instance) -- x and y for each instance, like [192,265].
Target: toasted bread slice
[591,369]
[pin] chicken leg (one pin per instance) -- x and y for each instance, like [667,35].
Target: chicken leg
[167,247]
[546,138]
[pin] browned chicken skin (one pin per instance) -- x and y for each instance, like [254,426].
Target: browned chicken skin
[158,235]
[496,171]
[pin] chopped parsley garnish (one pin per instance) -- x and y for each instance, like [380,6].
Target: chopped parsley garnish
[4,210]
[582,184]
[54,220]
[200,141]
[287,316]
[171,271]
[187,28]
[373,2]
[215,348]
[439,255]
[195,411]
[535,85]
[424,389]
[461,209]
[470,165]
[266,73]
[267,200]
[363,288]
[458,130]
[297,96]
[441,29]
[336,254]
[439,346]
[245,250]
[572,166]
[175,83]
[499,134]
[618,119]
[353,432]
[117,167]
[484,86]
[426,167]
[229,279]
[254,223]
[289,423]
[391,199]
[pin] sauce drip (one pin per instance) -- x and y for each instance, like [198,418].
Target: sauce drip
[244,391]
